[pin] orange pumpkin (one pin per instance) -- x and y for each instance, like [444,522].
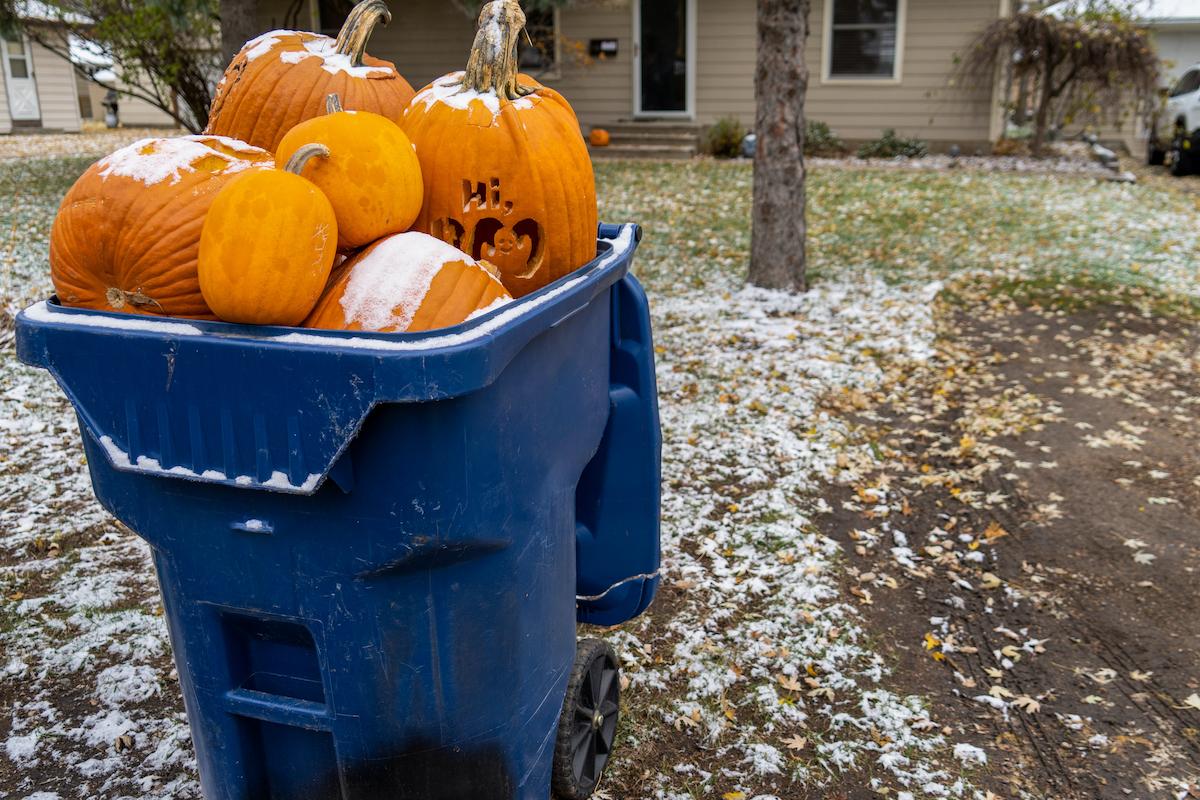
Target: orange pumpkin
[127,234]
[282,78]
[599,137]
[268,245]
[372,178]
[407,282]
[508,178]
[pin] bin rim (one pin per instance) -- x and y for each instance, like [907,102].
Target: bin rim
[614,244]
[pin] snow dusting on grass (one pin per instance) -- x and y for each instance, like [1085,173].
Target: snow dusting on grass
[751,676]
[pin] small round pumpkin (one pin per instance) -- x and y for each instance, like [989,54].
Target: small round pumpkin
[405,283]
[268,245]
[599,137]
[372,178]
[127,235]
[282,78]
[508,177]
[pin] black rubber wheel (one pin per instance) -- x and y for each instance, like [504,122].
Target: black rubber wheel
[1181,154]
[588,723]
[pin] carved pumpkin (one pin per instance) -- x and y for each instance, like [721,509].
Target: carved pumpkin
[407,282]
[282,78]
[372,178]
[508,178]
[127,234]
[268,245]
[599,137]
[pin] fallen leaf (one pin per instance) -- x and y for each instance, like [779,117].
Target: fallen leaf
[1027,703]
[990,581]
[797,743]
[1138,675]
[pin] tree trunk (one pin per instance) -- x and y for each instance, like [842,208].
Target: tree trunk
[1042,118]
[239,24]
[1021,112]
[777,254]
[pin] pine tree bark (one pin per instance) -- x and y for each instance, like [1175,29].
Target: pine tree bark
[777,250]
[239,24]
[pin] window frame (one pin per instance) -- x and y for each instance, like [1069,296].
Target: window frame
[827,75]
[554,72]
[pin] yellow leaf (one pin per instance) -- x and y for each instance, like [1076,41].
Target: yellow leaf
[990,581]
[932,641]
[788,682]
[734,796]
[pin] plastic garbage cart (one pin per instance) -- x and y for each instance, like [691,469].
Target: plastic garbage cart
[374,548]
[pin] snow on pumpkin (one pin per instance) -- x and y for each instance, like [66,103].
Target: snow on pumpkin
[127,234]
[405,283]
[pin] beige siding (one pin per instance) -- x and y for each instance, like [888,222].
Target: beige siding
[5,119]
[925,102]
[57,94]
[428,38]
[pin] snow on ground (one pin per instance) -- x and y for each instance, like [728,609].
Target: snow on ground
[92,142]
[761,659]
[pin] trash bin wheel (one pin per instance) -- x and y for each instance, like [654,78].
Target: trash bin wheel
[588,723]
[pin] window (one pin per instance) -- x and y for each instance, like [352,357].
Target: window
[863,38]
[1189,83]
[18,67]
[539,54]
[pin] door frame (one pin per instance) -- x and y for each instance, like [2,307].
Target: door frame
[8,78]
[689,112]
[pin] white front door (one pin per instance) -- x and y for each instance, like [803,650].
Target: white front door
[18,78]
[664,58]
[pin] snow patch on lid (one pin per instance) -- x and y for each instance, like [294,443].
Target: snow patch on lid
[333,62]
[449,89]
[261,45]
[153,161]
[389,283]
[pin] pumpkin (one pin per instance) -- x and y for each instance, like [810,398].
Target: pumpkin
[281,78]
[268,245]
[127,235]
[508,178]
[599,137]
[372,178]
[407,282]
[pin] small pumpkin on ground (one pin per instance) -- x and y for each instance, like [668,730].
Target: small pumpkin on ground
[127,234]
[508,178]
[372,177]
[599,137]
[407,282]
[268,245]
[282,78]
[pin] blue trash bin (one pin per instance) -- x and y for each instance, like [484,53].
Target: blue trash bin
[373,549]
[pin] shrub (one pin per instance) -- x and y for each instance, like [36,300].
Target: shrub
[724,138]
[821,141]
[892,146]
[1011,147]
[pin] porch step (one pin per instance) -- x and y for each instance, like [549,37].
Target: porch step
[650,140]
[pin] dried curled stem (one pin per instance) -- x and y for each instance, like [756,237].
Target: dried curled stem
[119,298]
[303,155]
[493,63]
[360,24]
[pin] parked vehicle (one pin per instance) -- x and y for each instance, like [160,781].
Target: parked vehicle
[1175,129]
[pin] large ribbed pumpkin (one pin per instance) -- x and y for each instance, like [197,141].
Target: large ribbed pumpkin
[508,178]
[282,78]
[127,234]
[405,283]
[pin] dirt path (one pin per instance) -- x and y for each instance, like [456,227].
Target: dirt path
[1025,539]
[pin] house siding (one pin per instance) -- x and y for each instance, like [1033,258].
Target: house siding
[5,118]
[57,93]
[428,38]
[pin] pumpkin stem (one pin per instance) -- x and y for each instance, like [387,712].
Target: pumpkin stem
[303,155]
[360,24]
[493,63]
[333,103]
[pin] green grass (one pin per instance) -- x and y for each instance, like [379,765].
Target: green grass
[906,225]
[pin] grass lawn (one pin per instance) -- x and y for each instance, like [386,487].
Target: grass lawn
[753,675]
